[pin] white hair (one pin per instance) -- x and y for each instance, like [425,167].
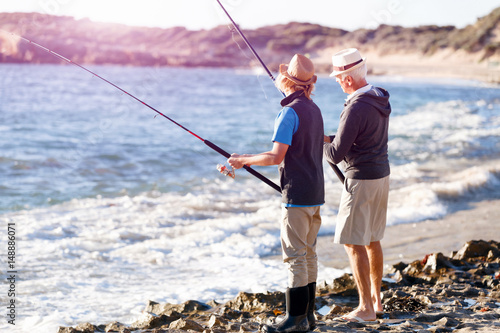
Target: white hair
[356,74]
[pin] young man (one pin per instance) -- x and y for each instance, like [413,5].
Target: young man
[298,150]
[361,141]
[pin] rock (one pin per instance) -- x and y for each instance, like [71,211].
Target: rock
[403,304]
[184,308]
[447,322]
[213,304]
[399,266]
[63,329]
[429,317]
[344,285]
[182,324]
[154,307]
[474,249]
[81,328]
[335,310]
[414,268]
[230,313]
[115,327]
[257,302]
[436,262]
[87,327]
[151,320]
[216,321]
[438,329]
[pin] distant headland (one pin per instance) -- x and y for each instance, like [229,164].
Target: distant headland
[472,52]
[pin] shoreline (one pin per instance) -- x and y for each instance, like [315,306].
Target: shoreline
[442,64]
[448,297]
[413,241]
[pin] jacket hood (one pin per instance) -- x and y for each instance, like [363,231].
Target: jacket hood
[381,103]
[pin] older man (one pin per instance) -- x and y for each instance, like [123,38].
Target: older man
[361,142]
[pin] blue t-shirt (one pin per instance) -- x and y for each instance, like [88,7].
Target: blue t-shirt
[285,126]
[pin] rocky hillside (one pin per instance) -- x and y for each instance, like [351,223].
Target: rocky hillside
[87,42]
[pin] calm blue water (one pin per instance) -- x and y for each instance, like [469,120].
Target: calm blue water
[114,206]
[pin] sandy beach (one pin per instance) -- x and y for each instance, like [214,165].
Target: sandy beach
[409,242]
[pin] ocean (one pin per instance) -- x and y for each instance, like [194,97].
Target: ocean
[110,205]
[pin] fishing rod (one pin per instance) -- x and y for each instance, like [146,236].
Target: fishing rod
[337,171]
[222,169]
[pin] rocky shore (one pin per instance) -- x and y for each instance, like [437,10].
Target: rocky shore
[436,293]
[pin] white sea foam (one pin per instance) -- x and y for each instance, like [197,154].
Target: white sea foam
[449,129]
[468,181]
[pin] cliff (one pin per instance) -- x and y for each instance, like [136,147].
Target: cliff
[390,49]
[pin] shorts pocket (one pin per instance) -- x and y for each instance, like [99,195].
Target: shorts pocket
[350,185]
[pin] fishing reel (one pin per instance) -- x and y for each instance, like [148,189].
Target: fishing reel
[226,171]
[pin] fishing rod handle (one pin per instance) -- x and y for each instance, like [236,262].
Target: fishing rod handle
[337,171]
[246,167]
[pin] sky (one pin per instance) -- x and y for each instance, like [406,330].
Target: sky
[250,14]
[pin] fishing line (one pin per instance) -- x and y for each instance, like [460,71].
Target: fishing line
[249,58]
[206,142]
[337,171]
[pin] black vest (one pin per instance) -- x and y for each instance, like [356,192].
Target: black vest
[301,172]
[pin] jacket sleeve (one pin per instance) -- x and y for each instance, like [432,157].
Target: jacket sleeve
[347,132]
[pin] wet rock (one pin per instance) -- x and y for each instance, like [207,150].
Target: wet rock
[399,277]
[63,329]
[81,328]
[439,329]
[230,313]
[336,310]
[217,321]
[403,304]
[429,317]
[471,292]
[184,308]
[151,320]
[185,325]
[257,302]
[436,262]
[344,285]
[447,322]
[474,249]
[399,266]
[115,327]
[249,327]
[414,268]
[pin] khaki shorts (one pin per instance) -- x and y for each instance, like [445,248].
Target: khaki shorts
[362,212]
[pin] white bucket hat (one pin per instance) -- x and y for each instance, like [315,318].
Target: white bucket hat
[346,60]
